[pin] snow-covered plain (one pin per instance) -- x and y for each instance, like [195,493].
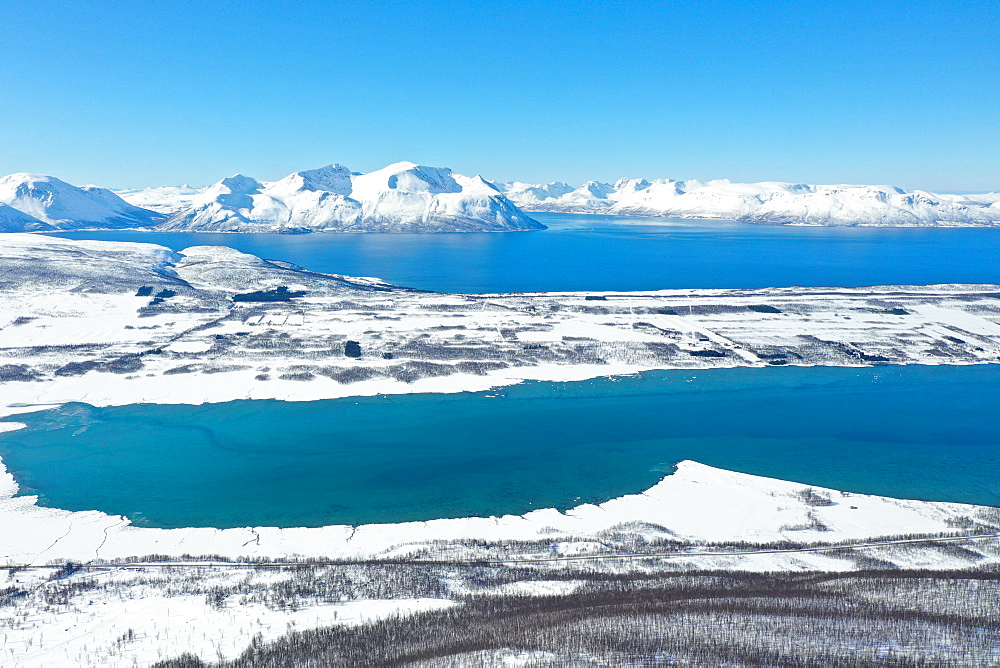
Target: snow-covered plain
[768,202]
[114,323]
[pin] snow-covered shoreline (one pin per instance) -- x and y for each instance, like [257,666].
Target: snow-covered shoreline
[697,504]
[704,518]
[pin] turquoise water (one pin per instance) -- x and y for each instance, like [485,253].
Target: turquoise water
[581,252]
[916,432]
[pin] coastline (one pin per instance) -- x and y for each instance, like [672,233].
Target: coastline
[137,323]
[696,505]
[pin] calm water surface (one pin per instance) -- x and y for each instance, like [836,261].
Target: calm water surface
[580,252]
[912,432]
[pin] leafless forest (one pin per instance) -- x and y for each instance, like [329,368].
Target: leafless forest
[862,618]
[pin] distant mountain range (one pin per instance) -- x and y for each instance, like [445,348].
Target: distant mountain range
[403,197]
[406,197]
[770,202]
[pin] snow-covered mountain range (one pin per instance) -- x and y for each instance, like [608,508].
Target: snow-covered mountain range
[769,202]
[403,197]
[407,197]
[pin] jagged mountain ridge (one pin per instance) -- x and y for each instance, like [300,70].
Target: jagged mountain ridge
[403,197]
[767,202]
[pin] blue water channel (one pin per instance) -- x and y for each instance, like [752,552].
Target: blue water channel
[912,432]
[582,252]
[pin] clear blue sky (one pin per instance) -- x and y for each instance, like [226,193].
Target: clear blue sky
[129,94]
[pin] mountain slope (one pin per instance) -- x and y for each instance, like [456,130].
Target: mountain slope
[60,205]
[164,199]
[768,202]
[14,220]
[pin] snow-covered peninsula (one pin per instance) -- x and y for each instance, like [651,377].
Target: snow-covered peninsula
[768,203]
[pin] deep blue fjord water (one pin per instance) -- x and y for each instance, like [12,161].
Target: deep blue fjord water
[914,432]
[581,252]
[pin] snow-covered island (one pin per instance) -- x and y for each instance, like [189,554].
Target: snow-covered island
[769,202]
[114,323]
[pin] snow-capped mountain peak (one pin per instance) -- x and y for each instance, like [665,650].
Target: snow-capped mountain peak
[63,206]
[405,177]
[237,184]
[333,178]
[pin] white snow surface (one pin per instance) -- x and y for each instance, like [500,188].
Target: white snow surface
[143,629]
[143,621]
[767,202]
[45,202]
